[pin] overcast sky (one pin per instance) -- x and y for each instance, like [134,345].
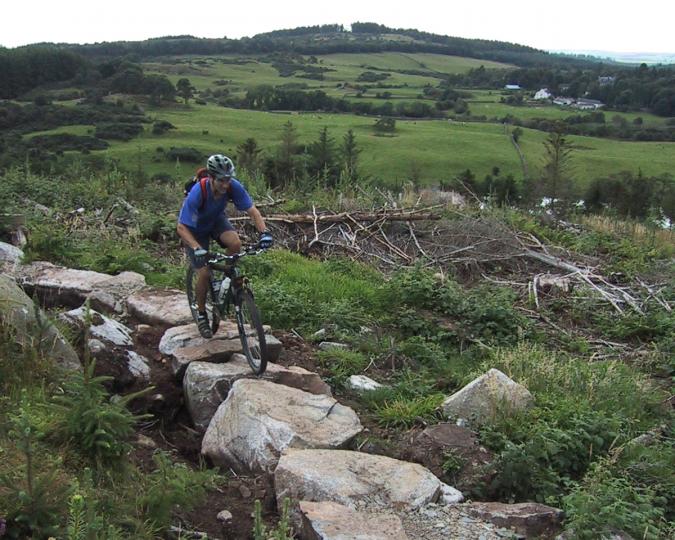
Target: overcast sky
[645,26]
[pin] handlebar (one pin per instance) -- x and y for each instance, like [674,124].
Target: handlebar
[215,257]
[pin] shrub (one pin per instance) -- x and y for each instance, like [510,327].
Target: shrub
[93,423]
[189,154]
[171,485]
[34,491]
[603,502]
[47,243]
[66,141]
[123,131]
[162,126]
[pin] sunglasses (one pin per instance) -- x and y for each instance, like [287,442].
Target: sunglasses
[223,178]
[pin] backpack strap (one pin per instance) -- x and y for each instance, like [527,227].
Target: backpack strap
[205,195]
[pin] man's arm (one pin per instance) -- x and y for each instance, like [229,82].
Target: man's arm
[186,235]
[257,219]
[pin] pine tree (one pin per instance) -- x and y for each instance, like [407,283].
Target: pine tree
[322,162]
[556,181]
[349,155]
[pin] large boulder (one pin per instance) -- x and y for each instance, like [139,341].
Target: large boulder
[480,400]
[206,385]
[109,342]
[184,345]
[98,325]
[9,253]
[533,520]
[360,481]
[31,327]
[259,420]
[333,521]
[163,307]
[56,285]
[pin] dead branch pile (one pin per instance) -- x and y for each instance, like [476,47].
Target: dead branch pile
[392,238]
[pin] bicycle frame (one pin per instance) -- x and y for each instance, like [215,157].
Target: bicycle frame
[227,264]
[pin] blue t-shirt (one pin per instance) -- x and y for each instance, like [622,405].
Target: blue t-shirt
[202,221]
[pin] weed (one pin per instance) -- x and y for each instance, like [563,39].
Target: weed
[452,463]
[174,484]
[282,531]
[405,413]
[342,363]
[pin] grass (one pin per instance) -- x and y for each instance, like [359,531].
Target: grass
[345,68]
[437,149]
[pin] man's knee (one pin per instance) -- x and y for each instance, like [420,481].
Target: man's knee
[231,241]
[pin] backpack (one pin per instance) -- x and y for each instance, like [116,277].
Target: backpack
[200,176]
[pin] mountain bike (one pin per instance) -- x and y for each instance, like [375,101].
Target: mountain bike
[229,287]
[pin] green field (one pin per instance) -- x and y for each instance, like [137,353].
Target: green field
[346,68]
[438,149]
[432,150]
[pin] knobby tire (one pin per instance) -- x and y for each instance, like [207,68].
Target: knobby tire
[247,315]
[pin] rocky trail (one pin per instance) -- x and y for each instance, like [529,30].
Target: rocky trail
[283,435]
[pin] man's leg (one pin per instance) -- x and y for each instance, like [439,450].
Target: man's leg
[202,287]
[230,240]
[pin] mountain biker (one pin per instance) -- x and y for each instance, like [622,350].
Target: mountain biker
[199,221]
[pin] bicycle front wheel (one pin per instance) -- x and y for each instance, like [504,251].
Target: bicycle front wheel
[211,309]
[251,331]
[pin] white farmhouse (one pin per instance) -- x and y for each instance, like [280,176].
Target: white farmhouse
[512,87]
[543,94]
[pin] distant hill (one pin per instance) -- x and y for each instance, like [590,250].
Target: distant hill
[332,38]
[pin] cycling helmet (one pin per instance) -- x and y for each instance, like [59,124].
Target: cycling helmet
[220,166]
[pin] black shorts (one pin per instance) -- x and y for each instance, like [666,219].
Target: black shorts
[222,224]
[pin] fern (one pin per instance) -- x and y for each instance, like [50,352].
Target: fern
[77,528]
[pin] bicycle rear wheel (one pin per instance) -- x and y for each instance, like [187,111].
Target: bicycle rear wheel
[251,331]
[191,289]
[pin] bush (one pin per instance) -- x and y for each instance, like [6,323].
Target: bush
[34,491]
[162,126]
[603,502]
[174,485]
[66,141]
[189,154]
[90,421]
[52,244]
[122,131]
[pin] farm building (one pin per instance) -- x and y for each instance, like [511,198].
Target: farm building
[586,104]
[563,101]
[543,94]
[512,87]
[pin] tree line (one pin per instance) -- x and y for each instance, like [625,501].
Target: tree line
[324,39]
